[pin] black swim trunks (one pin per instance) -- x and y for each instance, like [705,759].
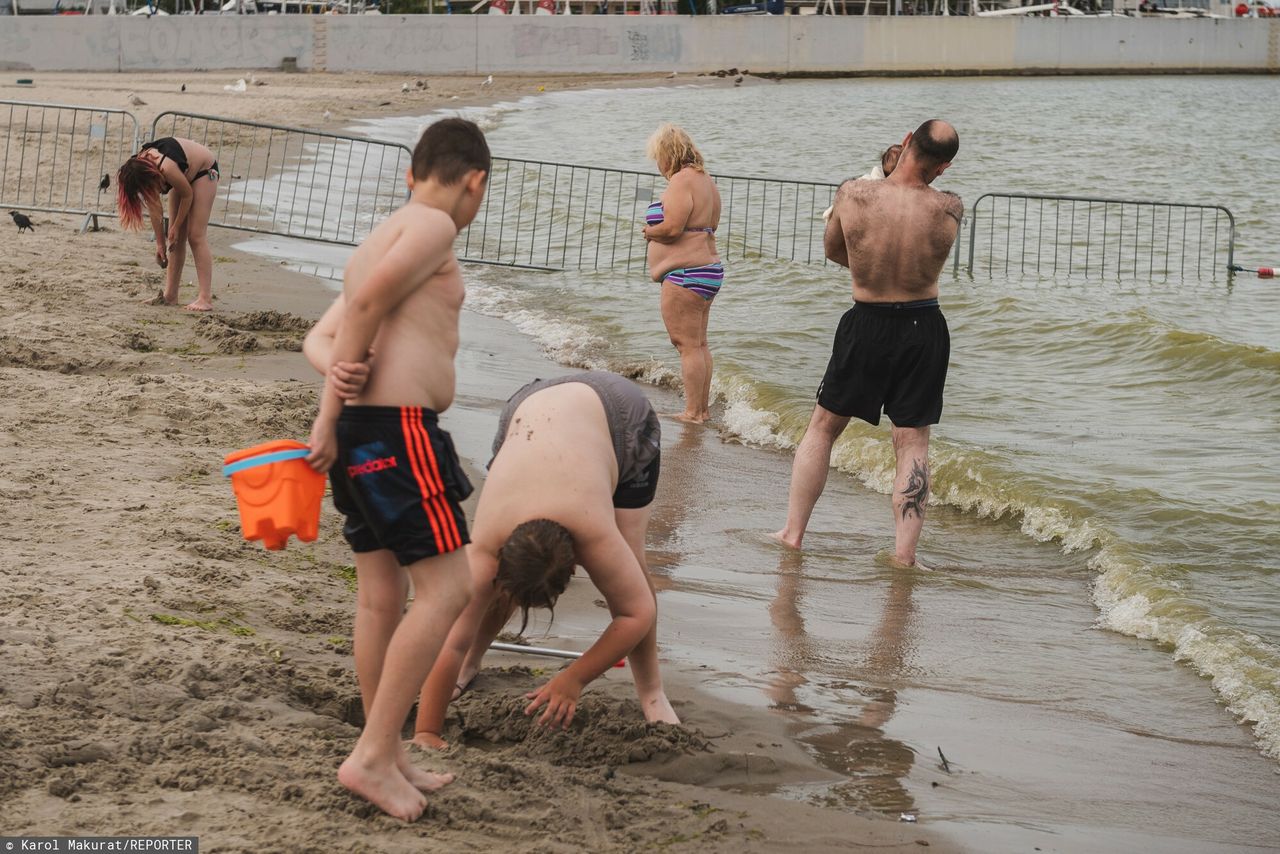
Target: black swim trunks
[399,483]
[890,356]
[633,426]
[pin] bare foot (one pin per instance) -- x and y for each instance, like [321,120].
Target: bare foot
[200,305]
[658,710]
[781,537]
[421,779]
[385,788]
[687,418]
[429,741]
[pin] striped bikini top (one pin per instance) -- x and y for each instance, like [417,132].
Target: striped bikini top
[653,215]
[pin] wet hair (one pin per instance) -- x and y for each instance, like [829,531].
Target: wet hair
[534,565]
[935,142]
[449,149]
[672,146]
[138,182]
[890,154]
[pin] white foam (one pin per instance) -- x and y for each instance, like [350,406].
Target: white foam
[1241,666]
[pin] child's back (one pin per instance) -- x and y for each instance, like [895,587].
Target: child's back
[418,338]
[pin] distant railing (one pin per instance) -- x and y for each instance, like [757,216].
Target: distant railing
[1017,233]
[314,185]
[560,216]
[55,157]
[294,182]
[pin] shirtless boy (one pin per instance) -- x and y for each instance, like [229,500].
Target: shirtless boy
[574,473]
[394,472]
[891,349]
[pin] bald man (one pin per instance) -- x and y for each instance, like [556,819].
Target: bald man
[891,349]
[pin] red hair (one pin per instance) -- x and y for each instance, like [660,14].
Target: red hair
[138,182]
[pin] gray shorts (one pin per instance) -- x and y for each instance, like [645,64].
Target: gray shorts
[636,433]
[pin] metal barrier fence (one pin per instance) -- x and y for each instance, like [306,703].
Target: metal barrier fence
[294,182]
[55,156]
[558,216]
[1076,235]
[313,185]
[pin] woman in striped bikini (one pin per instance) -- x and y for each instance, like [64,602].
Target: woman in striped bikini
[681,232]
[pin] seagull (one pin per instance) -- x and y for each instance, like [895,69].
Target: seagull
[21,221]
[488,81]
[136,101]
[404,87]
[104,184]
[327,115]
[671,76]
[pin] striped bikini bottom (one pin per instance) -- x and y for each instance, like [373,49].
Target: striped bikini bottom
[703,281]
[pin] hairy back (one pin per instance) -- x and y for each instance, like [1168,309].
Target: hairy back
[897,237]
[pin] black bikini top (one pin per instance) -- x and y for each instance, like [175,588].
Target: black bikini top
[169,148]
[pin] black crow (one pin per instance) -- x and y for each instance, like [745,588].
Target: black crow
[21,221]
[105,183]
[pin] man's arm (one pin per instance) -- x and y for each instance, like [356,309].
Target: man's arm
[613,568]
[952,206]
[834,242]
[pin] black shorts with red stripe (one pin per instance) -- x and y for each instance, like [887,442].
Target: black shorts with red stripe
[399,483]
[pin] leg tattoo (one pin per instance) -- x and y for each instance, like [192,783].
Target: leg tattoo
[916,492]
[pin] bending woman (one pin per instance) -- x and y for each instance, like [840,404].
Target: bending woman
[681,231]
[188,169]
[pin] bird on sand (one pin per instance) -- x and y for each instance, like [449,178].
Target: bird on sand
[22,221]
[671,76]
[420,84]
[488,81]
[327,115]
[184,88]
[136,101]
[404,87]
[105,183]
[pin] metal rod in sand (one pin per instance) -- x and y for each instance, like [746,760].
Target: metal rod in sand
[540,650]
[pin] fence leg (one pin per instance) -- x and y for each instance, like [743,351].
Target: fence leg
[84,226]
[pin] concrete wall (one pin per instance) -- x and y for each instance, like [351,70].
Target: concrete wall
[485,44]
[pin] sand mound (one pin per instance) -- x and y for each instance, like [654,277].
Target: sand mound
[606,731]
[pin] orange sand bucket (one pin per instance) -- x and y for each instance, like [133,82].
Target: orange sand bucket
[278,493]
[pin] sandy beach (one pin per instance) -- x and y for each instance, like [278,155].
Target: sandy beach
[158,675]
